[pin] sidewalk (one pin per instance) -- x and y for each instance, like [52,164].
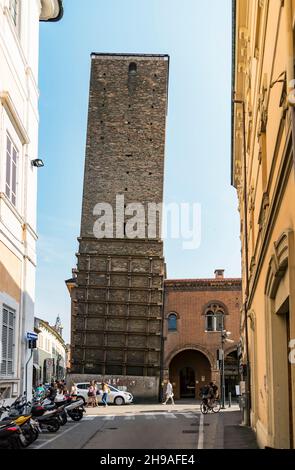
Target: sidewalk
[237,436]
[183,407]
[224,431]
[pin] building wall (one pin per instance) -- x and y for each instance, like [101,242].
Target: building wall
[49,346]
[264,58]
[118,320]
[189,300]
[19,118]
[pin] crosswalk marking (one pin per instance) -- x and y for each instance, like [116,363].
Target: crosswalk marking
[166,415]
[188,415]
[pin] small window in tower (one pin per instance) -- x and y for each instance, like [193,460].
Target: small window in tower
[127,172]
[102,137]
[132,68]
[172,322]
[150,173]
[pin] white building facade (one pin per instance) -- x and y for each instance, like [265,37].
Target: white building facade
[50,357]
[19,53]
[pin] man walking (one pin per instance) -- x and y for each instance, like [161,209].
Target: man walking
[169,393]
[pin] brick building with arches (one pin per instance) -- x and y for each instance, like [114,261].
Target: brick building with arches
[195,313]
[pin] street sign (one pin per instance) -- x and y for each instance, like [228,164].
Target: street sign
[31,336]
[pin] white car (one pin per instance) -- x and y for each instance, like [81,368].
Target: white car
[117,397]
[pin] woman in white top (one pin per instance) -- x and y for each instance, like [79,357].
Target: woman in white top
[169,393]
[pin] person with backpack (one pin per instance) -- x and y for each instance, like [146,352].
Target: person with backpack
[212,395]
[205,393]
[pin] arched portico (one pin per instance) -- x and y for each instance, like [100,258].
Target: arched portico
[189,370]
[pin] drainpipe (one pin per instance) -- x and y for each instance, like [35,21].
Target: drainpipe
[162,347]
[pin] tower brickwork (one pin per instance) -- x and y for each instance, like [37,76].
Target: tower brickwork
[118,314]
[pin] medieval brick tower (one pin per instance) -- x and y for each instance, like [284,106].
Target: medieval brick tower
[118,310]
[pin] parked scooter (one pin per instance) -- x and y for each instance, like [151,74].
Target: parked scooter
[11,436]
[48,405]
[76,409]
[46,420]
[29,427]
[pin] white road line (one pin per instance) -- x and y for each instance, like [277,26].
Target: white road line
[170,416]
[108,418]
[129,418]
[188,415]
[56,437]
[201,433]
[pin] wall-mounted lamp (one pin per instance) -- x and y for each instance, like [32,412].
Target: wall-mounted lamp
[37,162]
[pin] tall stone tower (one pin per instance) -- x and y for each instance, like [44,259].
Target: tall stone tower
[118,313]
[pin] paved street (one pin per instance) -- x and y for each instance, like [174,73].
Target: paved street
[150,427]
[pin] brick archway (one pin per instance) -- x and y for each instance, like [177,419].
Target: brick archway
[189,370]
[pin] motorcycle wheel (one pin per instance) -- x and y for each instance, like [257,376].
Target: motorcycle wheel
[76,415]
[63,419]
[15,443]
[52,425]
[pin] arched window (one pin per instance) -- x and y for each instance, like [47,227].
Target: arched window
[214,318]
[172,322]
[132,68]
[210,321]
[219,320]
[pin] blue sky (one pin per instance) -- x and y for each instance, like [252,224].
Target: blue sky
[197,36]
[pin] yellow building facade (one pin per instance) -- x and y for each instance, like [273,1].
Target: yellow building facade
[263,139]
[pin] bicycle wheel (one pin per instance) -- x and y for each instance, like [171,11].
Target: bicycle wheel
[204,408]
[216,406]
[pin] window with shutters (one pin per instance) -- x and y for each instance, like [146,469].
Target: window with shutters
[11,170]
[7,335]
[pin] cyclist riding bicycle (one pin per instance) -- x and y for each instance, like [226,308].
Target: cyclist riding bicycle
[204,393]
[213,393]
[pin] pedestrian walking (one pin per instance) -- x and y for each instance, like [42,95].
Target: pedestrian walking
[74,390]
[91,395]
[169,393]
[105,392]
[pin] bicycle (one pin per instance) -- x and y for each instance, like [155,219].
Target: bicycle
[214,407]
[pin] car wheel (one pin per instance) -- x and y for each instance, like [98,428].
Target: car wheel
[119,401]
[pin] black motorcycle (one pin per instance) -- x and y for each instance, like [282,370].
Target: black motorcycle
[11,436]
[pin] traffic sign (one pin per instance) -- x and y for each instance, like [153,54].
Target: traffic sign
[31,336]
